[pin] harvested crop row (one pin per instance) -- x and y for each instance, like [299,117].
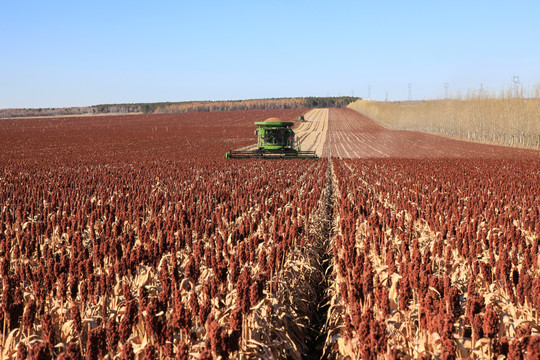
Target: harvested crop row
[311,135]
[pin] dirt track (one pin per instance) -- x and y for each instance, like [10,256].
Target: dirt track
[311,135]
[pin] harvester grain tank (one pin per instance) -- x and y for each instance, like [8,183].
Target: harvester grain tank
[275,139]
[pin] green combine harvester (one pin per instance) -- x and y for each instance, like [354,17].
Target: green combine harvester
[275,139]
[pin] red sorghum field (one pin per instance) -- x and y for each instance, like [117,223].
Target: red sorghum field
[436,257]
[132,237]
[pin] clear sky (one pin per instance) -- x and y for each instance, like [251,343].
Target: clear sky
[78,53]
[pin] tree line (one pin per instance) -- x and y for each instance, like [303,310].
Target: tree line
[185,106]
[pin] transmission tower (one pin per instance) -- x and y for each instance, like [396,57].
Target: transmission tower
[410,91]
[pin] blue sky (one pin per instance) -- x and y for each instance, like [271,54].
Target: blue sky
[78,53]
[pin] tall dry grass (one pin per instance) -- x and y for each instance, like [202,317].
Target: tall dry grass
[510,117]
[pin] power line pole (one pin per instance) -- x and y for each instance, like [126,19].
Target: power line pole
[516,85]
[410,91]
[481,91]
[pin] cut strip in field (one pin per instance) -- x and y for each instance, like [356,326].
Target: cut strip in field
[353,135]
[311,135]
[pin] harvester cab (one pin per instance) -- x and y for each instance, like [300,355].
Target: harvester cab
[275,139]
[275,135]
